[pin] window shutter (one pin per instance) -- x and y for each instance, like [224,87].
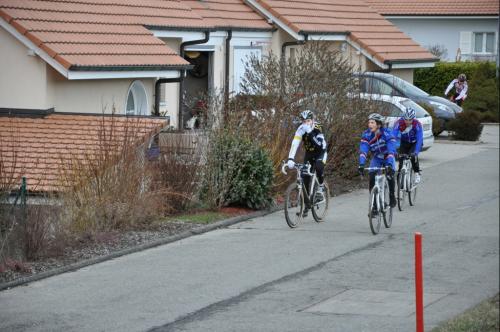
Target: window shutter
[465,42]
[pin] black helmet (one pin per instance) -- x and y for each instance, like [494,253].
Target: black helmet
[462,77]
[307,114]
[377,117]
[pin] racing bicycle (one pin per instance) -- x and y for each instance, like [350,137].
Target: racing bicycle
[406,182]
[299,199]
[379,204]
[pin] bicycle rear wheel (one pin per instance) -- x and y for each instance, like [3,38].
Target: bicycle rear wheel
[387,207]
[374,220]
[401,189]
[412,189]
[321,201]
[294,205]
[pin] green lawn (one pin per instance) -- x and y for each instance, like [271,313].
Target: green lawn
[482,318]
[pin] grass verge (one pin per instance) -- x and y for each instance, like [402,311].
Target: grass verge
[482,318]
[198,218]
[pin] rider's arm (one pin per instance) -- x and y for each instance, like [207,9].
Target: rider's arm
[391,146]
[450,86]
[364,148]
[297,138]
[420,138]
[397,134]
[463,93]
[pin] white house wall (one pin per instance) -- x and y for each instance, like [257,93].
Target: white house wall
[445,31]
[23,82]
[93,96]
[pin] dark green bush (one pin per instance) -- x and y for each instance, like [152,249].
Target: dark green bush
[435,80]
[237,172]
[467,126]
[489,117]
[483,91]
[436,122]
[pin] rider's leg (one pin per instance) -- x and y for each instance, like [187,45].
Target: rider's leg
[403,149]
[392,183]
[319,166]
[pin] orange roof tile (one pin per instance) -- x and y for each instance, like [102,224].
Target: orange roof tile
[233,14]
[38,147]
[435,7]
[102,33]
[364,25]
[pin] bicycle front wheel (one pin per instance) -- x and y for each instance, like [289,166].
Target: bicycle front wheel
[387,207]
[412,189]
[294,205]
[401,189]
[320,203]
[374,218]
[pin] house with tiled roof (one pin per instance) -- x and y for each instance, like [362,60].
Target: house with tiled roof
[369,41]
[461,29]
[64,61]
[92,55]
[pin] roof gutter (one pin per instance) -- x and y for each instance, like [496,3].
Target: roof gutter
[181,81]
[283,58]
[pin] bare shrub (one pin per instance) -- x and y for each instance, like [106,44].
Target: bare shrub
[111,186]
[177,170]
[273,93]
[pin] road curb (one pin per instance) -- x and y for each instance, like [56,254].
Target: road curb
[78,265]
[445,141]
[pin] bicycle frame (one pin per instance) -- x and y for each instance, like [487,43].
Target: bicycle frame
[407,185]
[380,184]
[300,180]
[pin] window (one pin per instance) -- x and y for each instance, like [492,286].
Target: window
[388,109]
[241,56]
[484,42]
[380,87]
[137,100]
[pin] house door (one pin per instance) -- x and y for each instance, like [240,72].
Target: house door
[197,83]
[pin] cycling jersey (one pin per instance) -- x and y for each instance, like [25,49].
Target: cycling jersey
[460,89]
[412,134]
[382,146]
[313,138]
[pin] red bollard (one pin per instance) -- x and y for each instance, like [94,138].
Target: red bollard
[419,287]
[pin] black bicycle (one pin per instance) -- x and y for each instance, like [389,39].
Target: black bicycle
[298,198]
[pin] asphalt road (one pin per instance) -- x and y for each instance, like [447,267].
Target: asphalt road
[262,276]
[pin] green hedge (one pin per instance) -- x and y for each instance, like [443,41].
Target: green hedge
[435,80]
[238,172]
[483,84]
[467,126]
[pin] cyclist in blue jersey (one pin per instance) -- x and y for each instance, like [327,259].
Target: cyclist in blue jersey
[411,135]
[381,143]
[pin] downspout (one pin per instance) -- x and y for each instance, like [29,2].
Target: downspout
[283,58]
[228,58]
[181,82]
[158,84]
[388,69]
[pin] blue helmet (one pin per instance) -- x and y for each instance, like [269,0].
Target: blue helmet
[409,114]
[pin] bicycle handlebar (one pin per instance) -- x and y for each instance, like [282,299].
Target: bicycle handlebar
[298,166]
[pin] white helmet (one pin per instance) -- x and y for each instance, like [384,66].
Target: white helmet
[307,114]
[409,114]
[377,117]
